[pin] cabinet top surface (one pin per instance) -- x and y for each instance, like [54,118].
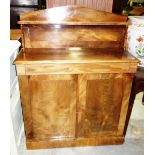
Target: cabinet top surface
[72,15]
[71,55]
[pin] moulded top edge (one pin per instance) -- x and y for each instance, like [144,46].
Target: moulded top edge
[68,23]
[72,15]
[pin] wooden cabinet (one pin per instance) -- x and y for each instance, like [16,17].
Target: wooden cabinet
[75,77]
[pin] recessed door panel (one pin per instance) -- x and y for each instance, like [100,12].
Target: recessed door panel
[100,104]
[53,103]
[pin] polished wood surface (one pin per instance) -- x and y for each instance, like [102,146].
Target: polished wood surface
[75,77]
[137,87]
[53,114]
[78,68]
[56,36]
[90,109]
[103,5]
[73,55]
[57,143]
[26,105]
[73,26]
[15,34]
[99,110]
[72,15]
[65,61]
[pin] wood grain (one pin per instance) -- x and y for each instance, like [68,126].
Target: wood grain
[99,104]
[97,141]
[82,84]
[66,61]
[15,34]
[127,90]
[71,55]
[78,68]
[38,36]
[72,15]
[26,105]
[48,109]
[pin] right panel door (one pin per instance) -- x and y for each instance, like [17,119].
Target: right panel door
[103,102]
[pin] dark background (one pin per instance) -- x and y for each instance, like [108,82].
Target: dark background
[20,6]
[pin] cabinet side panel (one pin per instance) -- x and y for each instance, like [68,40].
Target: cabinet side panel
[127,84]
[26,106]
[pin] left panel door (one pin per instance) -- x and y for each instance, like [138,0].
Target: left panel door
[49,105]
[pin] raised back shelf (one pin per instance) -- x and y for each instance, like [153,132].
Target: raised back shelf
[72,15]
[73,26]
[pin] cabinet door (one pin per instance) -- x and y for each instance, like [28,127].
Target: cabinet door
[49,105]
[103,103]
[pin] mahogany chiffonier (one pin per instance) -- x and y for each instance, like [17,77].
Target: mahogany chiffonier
[75,77]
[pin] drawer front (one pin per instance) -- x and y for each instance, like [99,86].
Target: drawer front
[76,68]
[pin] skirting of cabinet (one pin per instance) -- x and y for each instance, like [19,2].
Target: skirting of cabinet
[44,144]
